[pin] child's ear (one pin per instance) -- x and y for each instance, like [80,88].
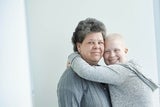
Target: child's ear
[126,50]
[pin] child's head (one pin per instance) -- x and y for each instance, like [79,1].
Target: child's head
[115,49]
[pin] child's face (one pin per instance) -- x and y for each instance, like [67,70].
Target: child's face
[115,52]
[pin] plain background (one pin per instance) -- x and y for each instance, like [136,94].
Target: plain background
[15,87]
[38,54]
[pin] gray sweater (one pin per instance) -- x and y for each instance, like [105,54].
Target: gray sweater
[127,88]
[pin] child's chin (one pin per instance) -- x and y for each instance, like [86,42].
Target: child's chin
[116,62]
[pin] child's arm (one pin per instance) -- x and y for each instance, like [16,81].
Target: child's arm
[113,74]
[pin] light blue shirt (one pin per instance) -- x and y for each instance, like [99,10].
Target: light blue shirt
[126,88]
[74,91]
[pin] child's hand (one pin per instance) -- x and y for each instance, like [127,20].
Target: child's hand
[68,64]
[71,58]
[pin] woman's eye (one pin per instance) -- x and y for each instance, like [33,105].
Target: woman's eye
[90,42]
[101,43]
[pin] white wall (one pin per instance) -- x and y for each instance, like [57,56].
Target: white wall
[52,22]
[15,90]
[157,26]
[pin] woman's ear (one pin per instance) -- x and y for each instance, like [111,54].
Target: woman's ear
[79,47]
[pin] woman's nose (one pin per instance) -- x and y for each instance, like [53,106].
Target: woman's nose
[96,45]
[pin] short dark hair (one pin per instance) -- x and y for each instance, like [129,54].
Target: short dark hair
[84,27]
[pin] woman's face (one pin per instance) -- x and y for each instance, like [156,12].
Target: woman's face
[92,48]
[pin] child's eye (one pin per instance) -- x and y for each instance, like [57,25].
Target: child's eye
[117,50]
[107,51]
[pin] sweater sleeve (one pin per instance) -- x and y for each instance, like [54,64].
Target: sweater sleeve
[112,74]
